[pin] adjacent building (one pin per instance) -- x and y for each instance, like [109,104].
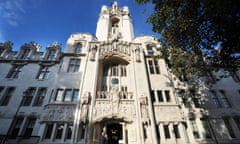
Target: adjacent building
[111,83]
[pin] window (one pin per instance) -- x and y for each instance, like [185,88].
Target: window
[166,131]
[49,129]
[24,54]
[28,96]
[75,95]
[224,99]
[51,54]
[123,70]
[69,131]
[229,127]
[83,131]
[59,131]
[156,67]
[40,96]
[74,65]
[215,99]
[1,90]
[43,73]
[59,95]
[105,70]
[7,96]
[29,127]
[157,132]
[78,48]
[167,95]
[14,71]
[67,95]
[176,131]
[160,96]
[194,128]
[149,49]
[150,64]
[16,127]
[115,70]
[237,121]
[145,131]
[153,66]
[152,96]
[206,127]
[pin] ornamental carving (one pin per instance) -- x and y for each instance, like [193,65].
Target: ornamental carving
[58,113]
[108,108]
[110,48]
[93,52]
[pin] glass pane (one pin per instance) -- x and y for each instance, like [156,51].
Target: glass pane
[68,93]
[49,131]
[59,95]
[75,95]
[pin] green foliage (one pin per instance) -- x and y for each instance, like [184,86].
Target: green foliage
[194,28]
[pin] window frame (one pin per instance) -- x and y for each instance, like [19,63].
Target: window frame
[7,96]
[43,73]
[28,96]
[39,98]
[78,48]
[51,54]
[74,65]
[14,72]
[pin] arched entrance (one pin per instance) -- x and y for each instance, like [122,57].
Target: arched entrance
[115,133]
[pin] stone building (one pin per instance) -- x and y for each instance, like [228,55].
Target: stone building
[111,83]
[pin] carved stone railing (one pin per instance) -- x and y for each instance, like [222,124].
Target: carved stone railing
[115,47]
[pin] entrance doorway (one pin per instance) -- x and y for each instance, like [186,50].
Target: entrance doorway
[115,133]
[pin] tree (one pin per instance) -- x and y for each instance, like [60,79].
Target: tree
[203,34]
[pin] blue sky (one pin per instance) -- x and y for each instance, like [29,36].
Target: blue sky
[46,21]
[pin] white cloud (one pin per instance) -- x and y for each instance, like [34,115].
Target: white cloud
[11,10]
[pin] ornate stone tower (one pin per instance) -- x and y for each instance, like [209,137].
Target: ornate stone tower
[114,23]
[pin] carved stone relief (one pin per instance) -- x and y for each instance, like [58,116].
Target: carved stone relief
[137,54]
[106,108]
[93,52]
[58,113]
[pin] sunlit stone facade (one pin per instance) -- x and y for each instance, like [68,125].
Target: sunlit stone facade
[115,83]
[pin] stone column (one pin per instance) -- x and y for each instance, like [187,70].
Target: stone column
[183,133]
[156,96]
[23,126]
[53,132]
[41,131]
[64,132]
[201,130]
[164,97]
[172,134]
[162,134]
[124,133]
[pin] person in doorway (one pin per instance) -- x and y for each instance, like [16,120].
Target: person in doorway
[103,138]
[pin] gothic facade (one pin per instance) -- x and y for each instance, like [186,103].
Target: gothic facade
[112,86]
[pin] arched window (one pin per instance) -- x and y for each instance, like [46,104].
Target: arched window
[78,48]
